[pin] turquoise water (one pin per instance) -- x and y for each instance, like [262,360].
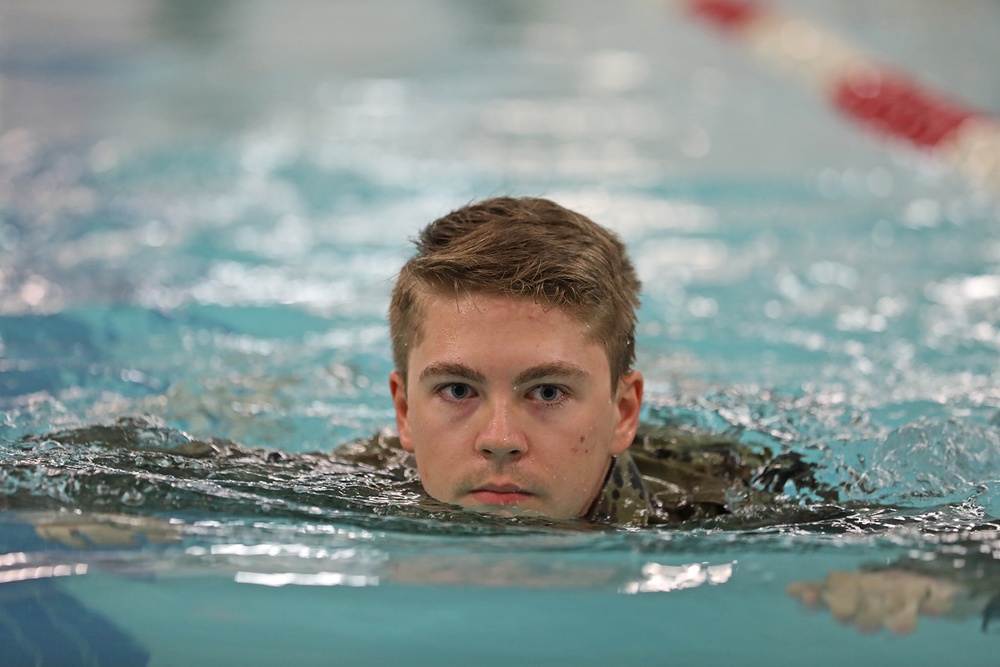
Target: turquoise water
[201,212]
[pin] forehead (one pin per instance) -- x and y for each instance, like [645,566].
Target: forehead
[439,310]
[451,324]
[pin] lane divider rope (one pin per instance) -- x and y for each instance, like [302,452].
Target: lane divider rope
[879,97]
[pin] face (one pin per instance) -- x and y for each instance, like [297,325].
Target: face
[509,404]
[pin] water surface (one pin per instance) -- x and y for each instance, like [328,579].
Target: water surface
[201,213]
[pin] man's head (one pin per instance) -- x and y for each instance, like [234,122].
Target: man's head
[528,248]
[513,339]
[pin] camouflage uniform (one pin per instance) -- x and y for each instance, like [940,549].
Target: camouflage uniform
[667,476]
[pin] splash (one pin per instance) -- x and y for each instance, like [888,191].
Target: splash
[931,462]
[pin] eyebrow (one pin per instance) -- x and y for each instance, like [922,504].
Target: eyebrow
[449,369]
[555,369]
[527,376]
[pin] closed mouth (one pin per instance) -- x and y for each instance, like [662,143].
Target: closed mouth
[500,494]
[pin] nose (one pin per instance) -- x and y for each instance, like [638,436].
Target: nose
[500,437]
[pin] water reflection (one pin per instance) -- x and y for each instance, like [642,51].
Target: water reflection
[958,578]
[662,578]
[948,573]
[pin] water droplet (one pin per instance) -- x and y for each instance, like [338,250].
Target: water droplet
[734,497]
[133,498]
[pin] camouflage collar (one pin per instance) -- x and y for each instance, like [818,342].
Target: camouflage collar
[623,501]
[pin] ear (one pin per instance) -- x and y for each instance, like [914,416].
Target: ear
[628,405]
[397,387]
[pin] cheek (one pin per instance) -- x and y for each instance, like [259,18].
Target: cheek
[592,441]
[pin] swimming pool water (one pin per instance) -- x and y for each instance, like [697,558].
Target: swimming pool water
[201,213]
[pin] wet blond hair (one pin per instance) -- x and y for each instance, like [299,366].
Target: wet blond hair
[522,248]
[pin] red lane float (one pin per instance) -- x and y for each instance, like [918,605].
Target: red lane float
[878,97]
[895,106]
[727,14]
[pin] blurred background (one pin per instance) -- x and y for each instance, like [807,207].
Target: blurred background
[203,204]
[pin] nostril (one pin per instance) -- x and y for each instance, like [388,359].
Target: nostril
[513,449]
[499,435]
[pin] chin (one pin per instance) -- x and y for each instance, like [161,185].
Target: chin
[508,511]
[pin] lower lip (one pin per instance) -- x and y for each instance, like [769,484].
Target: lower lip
[500,498]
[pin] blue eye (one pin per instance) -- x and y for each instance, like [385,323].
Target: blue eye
[457,391]
[548,393]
